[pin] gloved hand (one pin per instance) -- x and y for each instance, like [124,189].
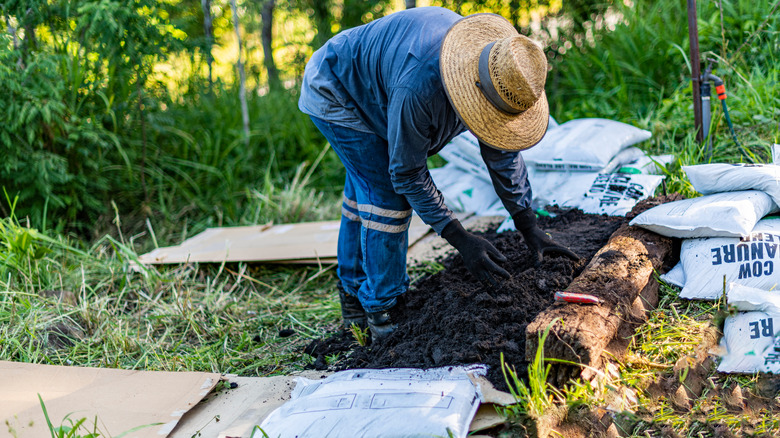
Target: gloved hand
[479,255]
[537,240]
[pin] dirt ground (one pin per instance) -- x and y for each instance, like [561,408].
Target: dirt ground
[449,318]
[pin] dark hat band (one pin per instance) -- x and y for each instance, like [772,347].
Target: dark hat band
[486,85]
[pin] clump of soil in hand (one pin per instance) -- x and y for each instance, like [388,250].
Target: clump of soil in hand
[449,318]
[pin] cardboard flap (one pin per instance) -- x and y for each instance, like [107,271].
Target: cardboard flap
[121,400]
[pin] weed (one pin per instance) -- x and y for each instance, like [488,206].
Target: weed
[423,269]
[80,428]
[535,397]
[360,334]
[259,431]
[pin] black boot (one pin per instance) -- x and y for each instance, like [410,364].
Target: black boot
[380,324]
[352,311]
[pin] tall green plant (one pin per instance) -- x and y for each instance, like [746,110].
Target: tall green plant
[631,64]
[49,149]
[74,101]
[537,396]
[207,175]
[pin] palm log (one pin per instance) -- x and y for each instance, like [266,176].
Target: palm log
[621,275]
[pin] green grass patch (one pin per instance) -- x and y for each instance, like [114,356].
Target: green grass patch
[97,307]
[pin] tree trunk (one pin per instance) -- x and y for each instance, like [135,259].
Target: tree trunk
[15,38]
[30,40]
[267,16]
[621,275]
[322,19]
[208,30]
[241,75]
[142,119]
[411,4]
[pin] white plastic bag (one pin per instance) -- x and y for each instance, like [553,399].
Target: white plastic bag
[463,152]
[466,185]
[750,340]
[462,190]
[384,403]
[750,261]
[751,299]
[615,194]
[717,215]
[583,144]
[719,177]
[675,276]
[750,343]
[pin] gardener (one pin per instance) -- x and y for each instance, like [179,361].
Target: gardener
[391,93]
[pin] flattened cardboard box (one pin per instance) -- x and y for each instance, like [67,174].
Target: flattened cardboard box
[121,400]
[172,404]
[308,242]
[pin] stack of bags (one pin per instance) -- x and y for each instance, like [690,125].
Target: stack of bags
[589,164]
[730,246]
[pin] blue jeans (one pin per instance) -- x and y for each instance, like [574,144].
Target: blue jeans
[373,237]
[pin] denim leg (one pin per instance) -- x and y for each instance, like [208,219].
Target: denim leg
[350,252]
[383,214]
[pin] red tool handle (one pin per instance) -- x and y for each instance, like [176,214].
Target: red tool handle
[571,297]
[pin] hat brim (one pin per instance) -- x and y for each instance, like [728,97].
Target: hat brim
[459,66]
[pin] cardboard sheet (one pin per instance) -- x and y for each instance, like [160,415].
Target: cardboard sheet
[121,399]
[308,242]
[241,408]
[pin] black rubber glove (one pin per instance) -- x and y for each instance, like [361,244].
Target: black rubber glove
[479,255]
[537,240]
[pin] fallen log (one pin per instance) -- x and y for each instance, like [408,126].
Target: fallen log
[621,275]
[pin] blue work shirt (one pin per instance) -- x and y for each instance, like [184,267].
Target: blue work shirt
[383,78]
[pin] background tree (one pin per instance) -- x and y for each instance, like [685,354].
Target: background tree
[241,73]
[267,17]
[208,31]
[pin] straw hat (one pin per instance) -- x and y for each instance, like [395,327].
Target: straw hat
[494,78]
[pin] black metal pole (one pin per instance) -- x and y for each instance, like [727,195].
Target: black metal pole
[693,37]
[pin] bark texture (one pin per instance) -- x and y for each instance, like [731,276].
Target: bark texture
[621,275]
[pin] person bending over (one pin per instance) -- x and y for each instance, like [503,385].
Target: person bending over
[391,93]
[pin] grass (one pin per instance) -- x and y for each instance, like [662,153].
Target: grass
[537,396]
[360,334]
[70,301]
[77,428]
[92,308]
[205,176]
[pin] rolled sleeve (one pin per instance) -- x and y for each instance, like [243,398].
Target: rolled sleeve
[510,177]
[409,126]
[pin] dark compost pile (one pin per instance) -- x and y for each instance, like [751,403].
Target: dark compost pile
[449,318]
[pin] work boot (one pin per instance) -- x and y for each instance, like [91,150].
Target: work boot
[352,311]
[380,324]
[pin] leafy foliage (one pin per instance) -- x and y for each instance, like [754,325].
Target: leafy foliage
[71,100]
[85,121]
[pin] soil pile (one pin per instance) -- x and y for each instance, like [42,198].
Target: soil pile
[449,318]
